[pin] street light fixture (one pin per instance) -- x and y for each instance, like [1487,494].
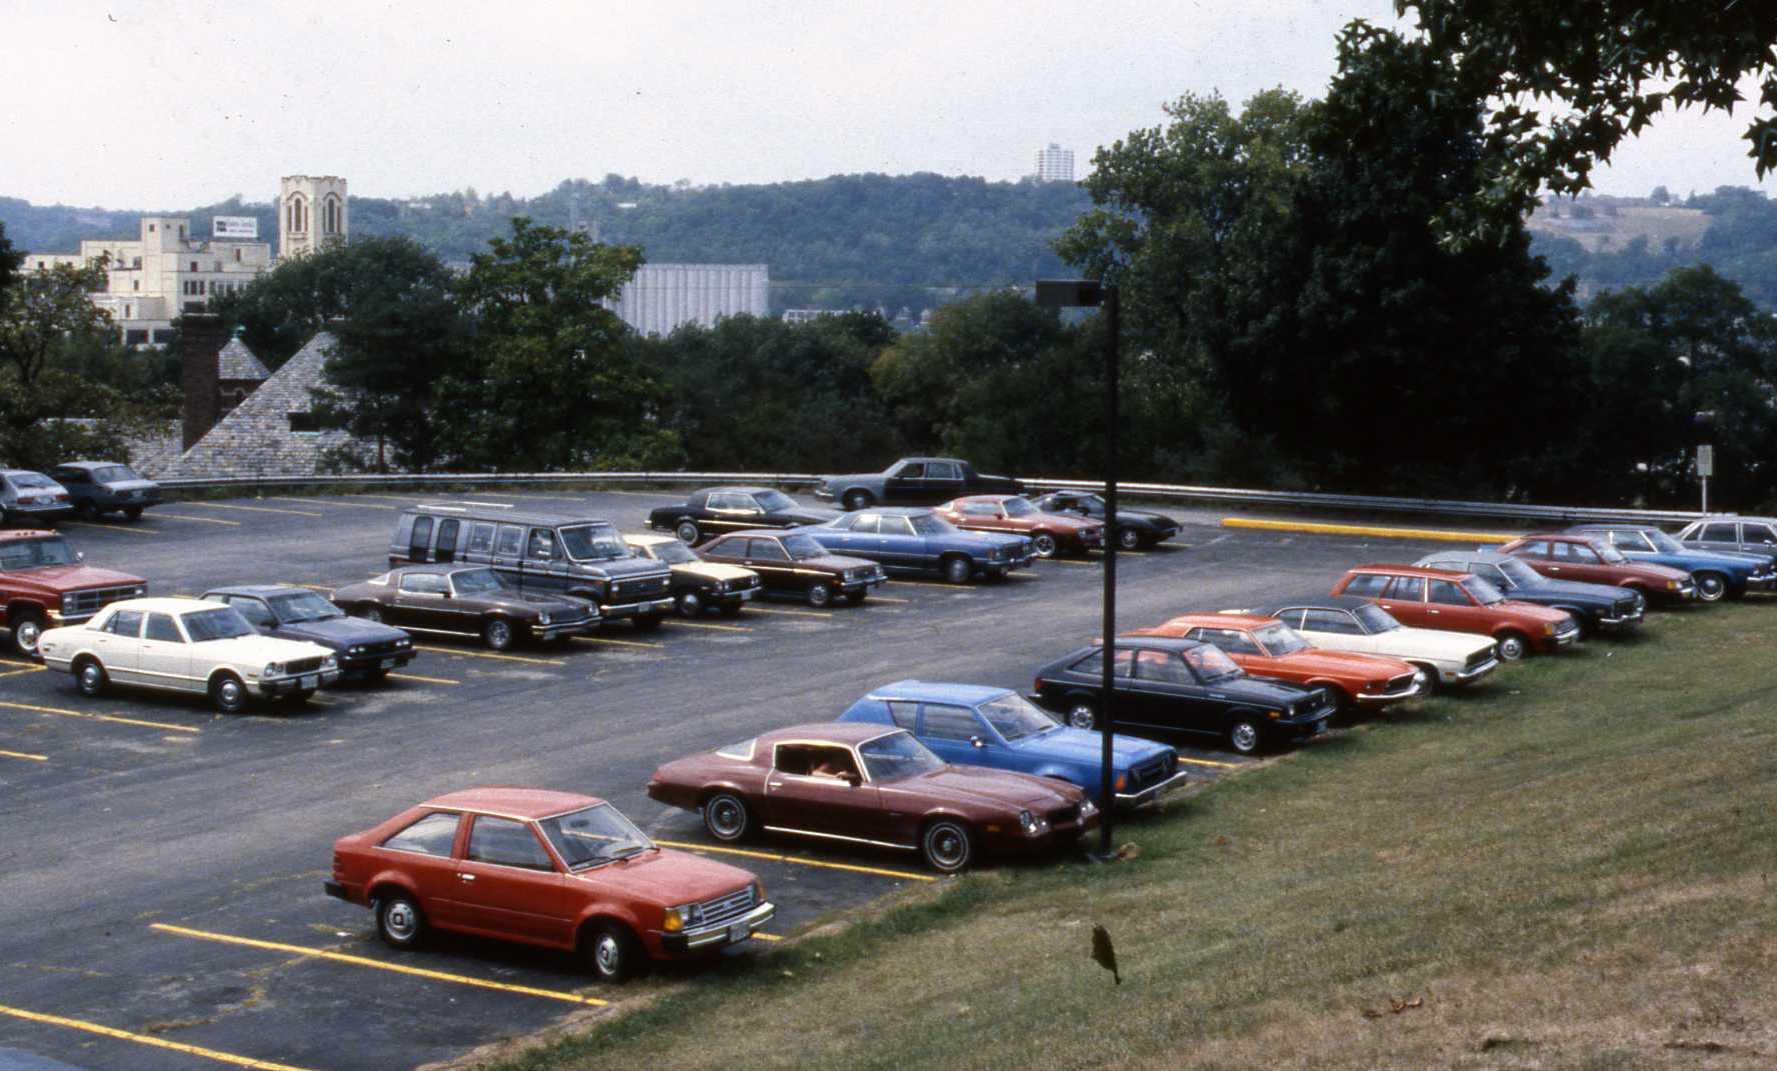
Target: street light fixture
[1089,293]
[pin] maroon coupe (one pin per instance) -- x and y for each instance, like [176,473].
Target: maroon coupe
[866,784]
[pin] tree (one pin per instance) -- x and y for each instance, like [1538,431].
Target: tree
[41,315]
[1613,64]
[554,386]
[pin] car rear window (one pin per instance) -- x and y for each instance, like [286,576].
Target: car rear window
[432,835]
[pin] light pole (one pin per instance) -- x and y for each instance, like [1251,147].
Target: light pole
[1088,293]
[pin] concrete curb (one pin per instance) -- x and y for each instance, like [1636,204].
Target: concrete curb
[1316,528]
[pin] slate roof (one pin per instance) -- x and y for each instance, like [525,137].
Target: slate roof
[236,361]
[255,439]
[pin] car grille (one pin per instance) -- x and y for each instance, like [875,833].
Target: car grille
[302,665]
[725,909]
[1400,683]
[1624,608]
[90,602]
[1150,773]
[1093,536]
[1065,816]
[1485,654]
[386,648]
[642,588]
[1566,627]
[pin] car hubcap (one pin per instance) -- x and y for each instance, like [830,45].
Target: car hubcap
[373,615]
[687,532]
[1080,717]
[1710,587]
[607,953]
[690,604]
[959,570]
[91,677]
[818,595]
[947,845]
[26,634]
[230,693]
[1245,736]
[1043,545]
[1511,649]
[399,920]
[1128,539]
[856,500]
[725,816]
[498,635]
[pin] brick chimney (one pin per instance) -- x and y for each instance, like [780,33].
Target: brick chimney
[201,337]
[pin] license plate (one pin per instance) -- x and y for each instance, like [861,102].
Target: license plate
[311,682]
[738,932]
[1319,726]
[749,593]
[388,663]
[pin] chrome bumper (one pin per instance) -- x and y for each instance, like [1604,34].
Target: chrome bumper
[1465,676]
[1412,689]
[296,682]
[661,605]
[730,932]
[1128,800]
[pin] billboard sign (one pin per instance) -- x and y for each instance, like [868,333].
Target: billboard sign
[234,227]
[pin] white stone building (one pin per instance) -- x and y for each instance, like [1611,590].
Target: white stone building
[1054,164]
[662,297]
[311,213]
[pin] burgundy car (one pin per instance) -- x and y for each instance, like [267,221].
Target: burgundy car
[544,868]
[869,785]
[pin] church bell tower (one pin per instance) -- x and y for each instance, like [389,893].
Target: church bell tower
[311,213]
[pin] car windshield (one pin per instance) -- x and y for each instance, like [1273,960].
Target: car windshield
[478,581]
[674,553]
[1664,543]
[592,542]
[898,755]
[114,474]
[1280,639]
[30,479]
[222,623]
[1015,717]
[773,500]
[1610,554]
[1519,574]
[303,606]
[31,553]
[1483,591]
[802,548]
[926,524]
[1211,663]
[1019,507]
[1375,619]
[596,834]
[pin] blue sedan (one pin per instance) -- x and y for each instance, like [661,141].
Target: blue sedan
[1716,573]
[914,540]
[972,725]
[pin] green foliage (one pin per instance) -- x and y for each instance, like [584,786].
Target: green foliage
[44,317]
[554,386]
[762,392]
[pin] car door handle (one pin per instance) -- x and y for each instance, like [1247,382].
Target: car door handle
[1431,611]
[1554,568]
[467,877]
[774,784]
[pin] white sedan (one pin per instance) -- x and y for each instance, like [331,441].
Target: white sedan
[1348,623]
[186,645]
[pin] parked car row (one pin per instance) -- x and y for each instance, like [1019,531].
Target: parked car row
[87,488]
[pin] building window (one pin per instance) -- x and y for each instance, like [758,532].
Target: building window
[135,284]
[331,215]
[181,230]
[135,337]
[297,215]
[304,424]
[194,265]
[237,255]
[151,228]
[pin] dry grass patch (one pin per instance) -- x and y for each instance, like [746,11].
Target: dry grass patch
[1569,869]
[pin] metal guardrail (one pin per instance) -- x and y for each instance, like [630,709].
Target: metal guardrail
[1229,496]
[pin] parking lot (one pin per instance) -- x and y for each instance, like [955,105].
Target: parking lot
[163,904]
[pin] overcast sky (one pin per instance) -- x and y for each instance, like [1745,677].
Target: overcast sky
[168,105]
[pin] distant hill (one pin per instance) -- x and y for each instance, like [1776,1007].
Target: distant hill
[899,241]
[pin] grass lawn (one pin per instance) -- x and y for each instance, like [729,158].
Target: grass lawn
[1569,868]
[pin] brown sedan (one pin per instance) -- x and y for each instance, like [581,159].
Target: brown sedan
[791,563]
[872,785]
[466,601]
[1050,533]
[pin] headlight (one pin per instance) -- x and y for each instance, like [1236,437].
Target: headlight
[721,586]
[357,648]
[328,661]
[68,604]
[1088,808]
[1671,585]
[758,892]
[272,669]
[141,589]
[1419,676]
[1548,629]
[543,618]
[1031,824]
[404,642]
[682,917]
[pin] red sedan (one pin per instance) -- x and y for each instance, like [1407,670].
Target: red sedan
[544,868]
[1050,533]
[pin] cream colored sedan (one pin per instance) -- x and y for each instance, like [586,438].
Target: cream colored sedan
[1348,623]
[186,645]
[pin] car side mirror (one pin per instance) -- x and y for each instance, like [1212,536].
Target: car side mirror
[977,741]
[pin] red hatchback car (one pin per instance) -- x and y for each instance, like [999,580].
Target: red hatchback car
[544,868]
[1461,602]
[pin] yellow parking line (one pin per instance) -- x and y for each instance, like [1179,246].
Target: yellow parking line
[136,528]
[885,598]
[27,669]
[102,717]
[768,936]
[1207,762]
[24,755]
[797,613]
[311,587]
[394,498]
[926,584]
[363,961]
[1317,528]
[710,625]
[422,680]
[327,502]
[907,875]
[144,1039]
[1069,561]
[620,643]
[204,520]
[260,509]
[491,654]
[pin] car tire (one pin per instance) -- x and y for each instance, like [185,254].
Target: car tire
[647,622]
[1043,544]
[228,695]
[1128,539]
[690,604]
[133,513]
[1245,734]
[687,532]
[727,817]
[90,677]
[1512,646]
[27,630]
[957,569]
[87,509]
[1082,714]
[615,954]
[497,633]
[948,846]
[1432,680]
[1711,587]
[371,612]
[819,594]
[856,500]
[399,921]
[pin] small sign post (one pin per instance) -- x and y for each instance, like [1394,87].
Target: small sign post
[1705,469]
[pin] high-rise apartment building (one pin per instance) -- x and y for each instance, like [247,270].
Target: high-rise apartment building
[1055,164]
